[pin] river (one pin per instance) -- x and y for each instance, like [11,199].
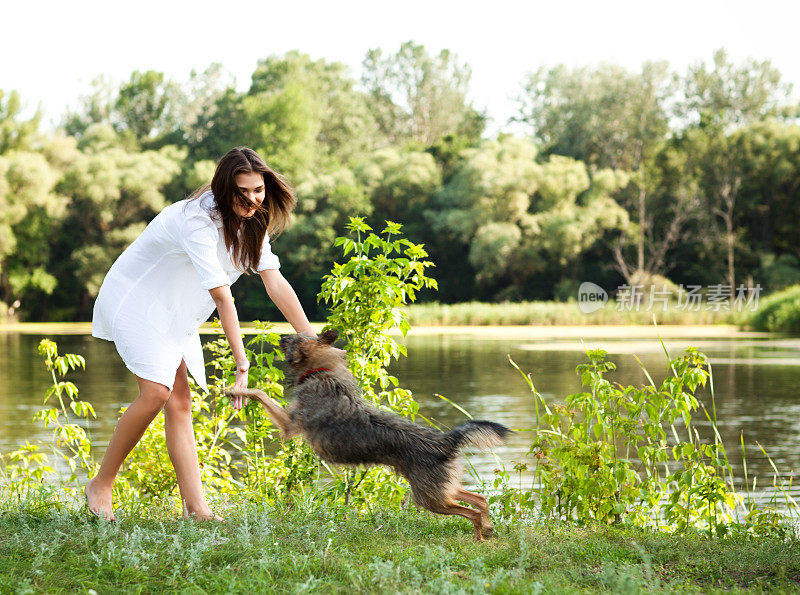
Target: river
[755,382]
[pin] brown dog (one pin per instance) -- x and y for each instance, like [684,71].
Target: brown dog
[342,427]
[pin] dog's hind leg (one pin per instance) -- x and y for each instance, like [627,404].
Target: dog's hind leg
[449,506]
[478,500]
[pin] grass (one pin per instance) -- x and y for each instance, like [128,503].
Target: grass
[480,314]
[557,313]
[310,547]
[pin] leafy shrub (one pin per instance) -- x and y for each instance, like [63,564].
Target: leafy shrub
[631,454]
[365,295]
[27,468]
[779,312]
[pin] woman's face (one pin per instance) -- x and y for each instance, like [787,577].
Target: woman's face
[252,186]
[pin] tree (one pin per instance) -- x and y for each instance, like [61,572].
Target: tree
[94,108]
[16,133]
[219,128]
[719,100]
[147,106]
[418,97]
[30,211]
[302,114]
[113,193]
[150,111]
[609,117]
[198,106]
[517,218]
[732,95]
[770,153]
[400,185]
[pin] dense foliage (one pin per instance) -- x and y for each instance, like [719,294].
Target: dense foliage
[622,177]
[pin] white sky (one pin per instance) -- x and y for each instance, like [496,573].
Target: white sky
[50,51]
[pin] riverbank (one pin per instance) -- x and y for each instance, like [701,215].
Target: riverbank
[308,547]
[572,314]
[530,331]
[478,314]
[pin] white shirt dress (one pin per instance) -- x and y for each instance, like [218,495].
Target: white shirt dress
[155,296]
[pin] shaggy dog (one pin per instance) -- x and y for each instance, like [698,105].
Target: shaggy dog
[342,427]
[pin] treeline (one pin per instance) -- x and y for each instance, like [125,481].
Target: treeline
[621,176]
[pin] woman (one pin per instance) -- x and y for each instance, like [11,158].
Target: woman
[162,288]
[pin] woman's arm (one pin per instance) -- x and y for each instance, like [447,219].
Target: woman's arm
[230,324]
[282,295]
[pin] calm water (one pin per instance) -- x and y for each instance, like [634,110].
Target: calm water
[755,380]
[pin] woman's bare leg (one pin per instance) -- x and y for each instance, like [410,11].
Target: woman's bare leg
[129,430]
[182,447]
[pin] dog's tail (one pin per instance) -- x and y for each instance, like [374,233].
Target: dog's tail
[483,434]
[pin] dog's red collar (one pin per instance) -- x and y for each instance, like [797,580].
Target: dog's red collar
[310,372]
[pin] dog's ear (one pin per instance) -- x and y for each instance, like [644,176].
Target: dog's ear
[329,336]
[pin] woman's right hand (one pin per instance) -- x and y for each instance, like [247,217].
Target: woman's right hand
[240,383]
[230,324]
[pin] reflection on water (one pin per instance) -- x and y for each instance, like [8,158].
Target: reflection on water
[754,379]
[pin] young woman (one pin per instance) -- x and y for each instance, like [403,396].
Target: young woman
[162,288]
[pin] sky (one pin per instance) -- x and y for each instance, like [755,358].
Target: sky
[51,51]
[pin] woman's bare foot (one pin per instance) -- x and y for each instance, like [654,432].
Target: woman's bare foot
[98,501]
[202,513]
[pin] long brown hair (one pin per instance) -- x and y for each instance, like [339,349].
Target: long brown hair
[245,236]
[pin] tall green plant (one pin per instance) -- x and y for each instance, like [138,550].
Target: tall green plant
[27,467]
[365,295]
[617,453]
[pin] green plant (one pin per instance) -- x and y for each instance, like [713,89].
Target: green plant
[365,295]
[619,453]
[779,312]
[27,467]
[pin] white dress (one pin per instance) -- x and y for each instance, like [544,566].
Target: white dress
[155,296]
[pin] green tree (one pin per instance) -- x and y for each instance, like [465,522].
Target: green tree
[609,117]
[731,94]
[96,107]
[146,105]
[517,218]
[718,100]
[219,128]
[302,114]
[198,104]
[771,179]
[113,194]
[151,111]
[420,98]
[16,133]
[400,184]
[30,210]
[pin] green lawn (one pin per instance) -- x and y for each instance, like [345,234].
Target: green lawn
[309,547]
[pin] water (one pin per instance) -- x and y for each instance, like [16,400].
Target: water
[755,384]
